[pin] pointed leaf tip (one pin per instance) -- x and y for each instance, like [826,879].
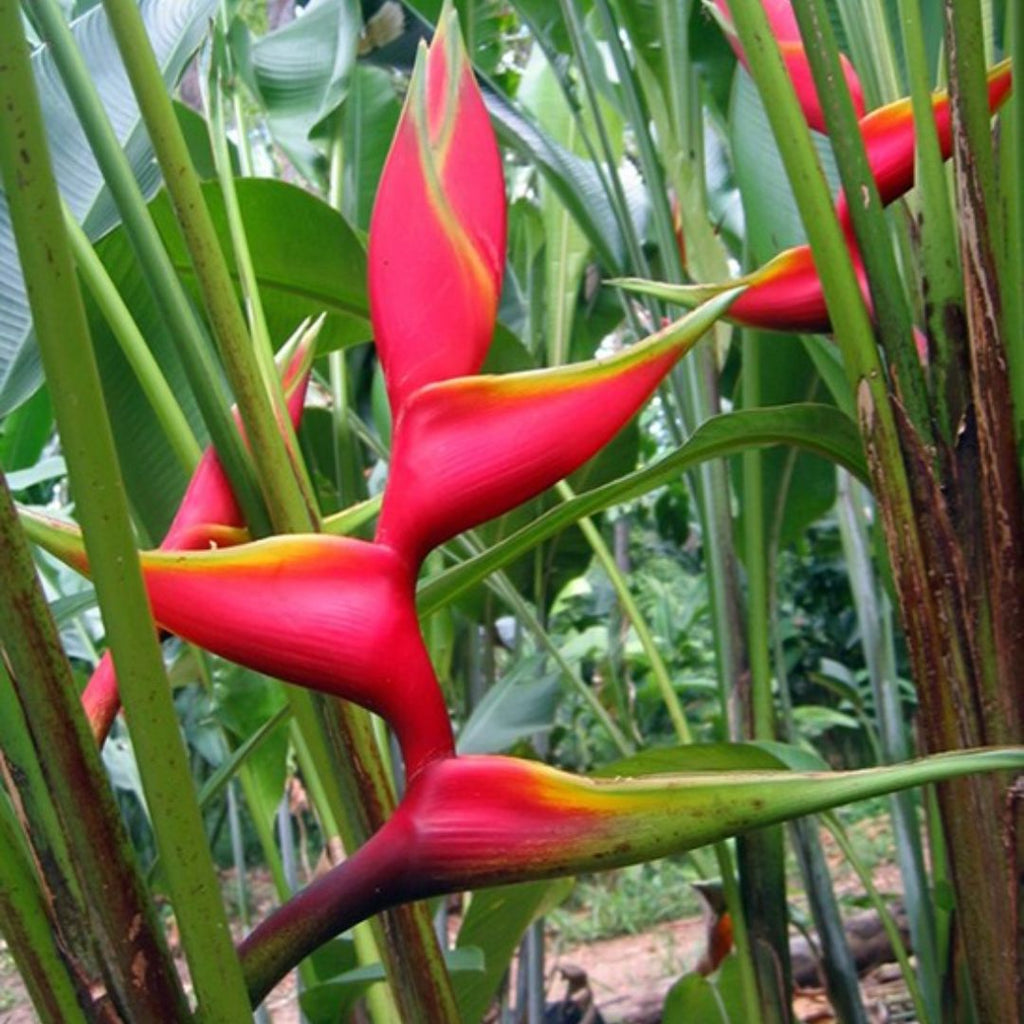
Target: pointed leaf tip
[437,235]
[470,449]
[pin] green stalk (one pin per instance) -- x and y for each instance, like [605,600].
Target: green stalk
[841,981]
[866,212]
[965,47]
[621,586]
[761,709]
[262,346]
[853,329]
[426,989]
[649,164]
[761,854]
[203,372]
[616,194]
[217,132]
[30,797]
[73,379]
[147,370]
[873,617]
[938,250]
[285,501]
[119,915]
[907,969]
[26,926]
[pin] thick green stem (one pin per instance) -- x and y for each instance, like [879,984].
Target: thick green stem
[285,501]
[62,333]
[942,284]
[122,921]
[147,371]
[761,855]
[26,926]
[1013,201]
[866,213]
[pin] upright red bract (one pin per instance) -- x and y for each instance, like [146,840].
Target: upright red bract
[787,35]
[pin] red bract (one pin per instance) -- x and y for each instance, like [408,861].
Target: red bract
[785,294]
[470,449]
[207,510]
[787,35]
[437,235]
[888,135]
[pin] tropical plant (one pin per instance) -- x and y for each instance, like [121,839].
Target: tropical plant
[185,297]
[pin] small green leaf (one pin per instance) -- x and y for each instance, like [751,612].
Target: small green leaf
[494,924]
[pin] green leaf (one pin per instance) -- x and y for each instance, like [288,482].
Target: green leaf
[300,74]
[772,219]
[818,428]
[370,114]
[567,248]
[709,1000]
[307,259]
[574,179]
[175,29]
[519,706]
[25,432]
[494,924]
[329,1002]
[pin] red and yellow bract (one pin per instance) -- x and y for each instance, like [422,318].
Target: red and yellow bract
[338,614]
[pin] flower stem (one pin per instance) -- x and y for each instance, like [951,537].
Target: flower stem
[147,371]
[288,507]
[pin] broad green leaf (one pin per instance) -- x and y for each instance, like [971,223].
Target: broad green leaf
[521,705]
[575,179]
[306,257]
[494,924]
[300,74]
[369,116]
[24,433]
[818,428]
[175,28]
[773,222]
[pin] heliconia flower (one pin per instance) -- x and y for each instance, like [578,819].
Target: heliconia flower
[338,614]
[888,134]
[208,513]
[470,822]
[785,293]
[470,449]
[787,35]
[334,614]
[437,235]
